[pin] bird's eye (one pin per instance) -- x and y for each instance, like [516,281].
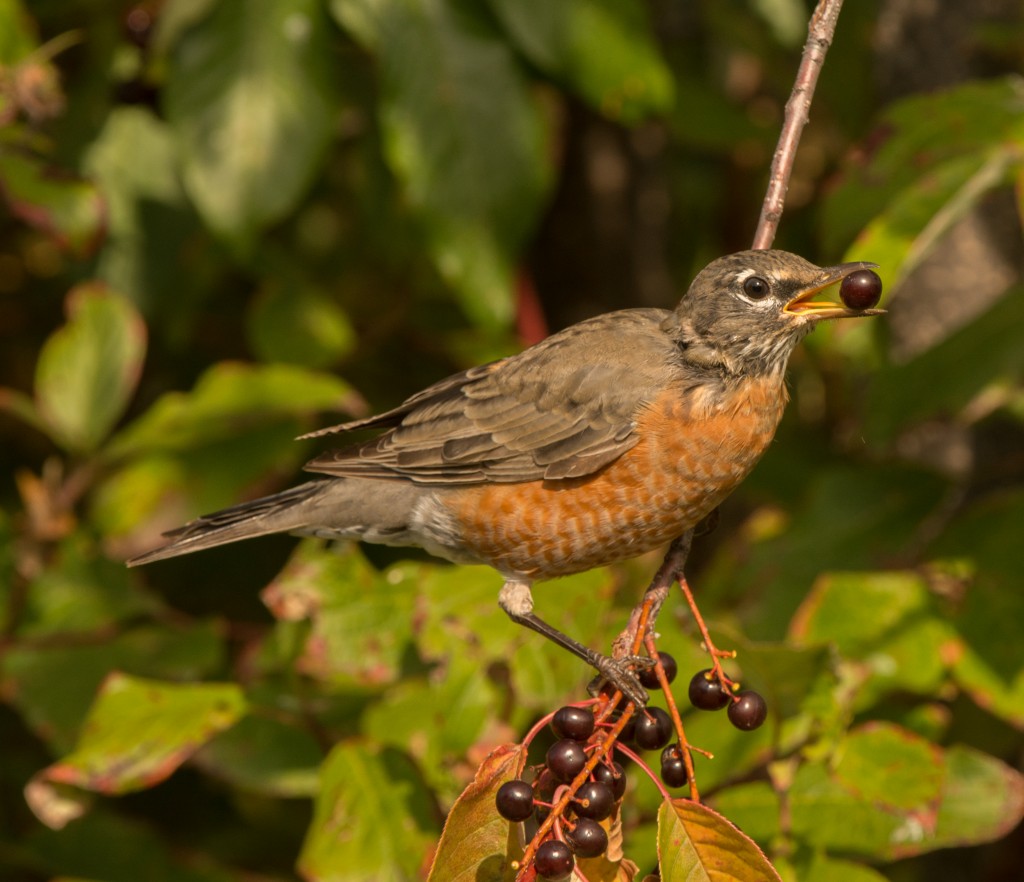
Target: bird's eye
[755,288]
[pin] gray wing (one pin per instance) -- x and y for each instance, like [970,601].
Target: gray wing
[561,409]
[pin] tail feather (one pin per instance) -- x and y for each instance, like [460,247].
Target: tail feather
[279,513]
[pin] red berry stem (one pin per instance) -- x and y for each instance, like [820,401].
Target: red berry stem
[642,764]
[673,711]
[713,651]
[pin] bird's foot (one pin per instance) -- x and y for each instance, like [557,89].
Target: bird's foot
[621,674]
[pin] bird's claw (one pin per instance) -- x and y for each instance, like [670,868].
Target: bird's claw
[621,673]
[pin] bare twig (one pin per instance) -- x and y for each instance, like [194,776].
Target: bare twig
[819,37]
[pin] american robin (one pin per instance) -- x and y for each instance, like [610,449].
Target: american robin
[604,441]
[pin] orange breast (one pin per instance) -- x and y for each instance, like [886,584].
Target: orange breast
[693,451]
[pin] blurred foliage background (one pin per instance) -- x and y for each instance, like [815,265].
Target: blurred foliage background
[225,223]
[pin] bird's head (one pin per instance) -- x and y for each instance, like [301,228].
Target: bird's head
[748,310]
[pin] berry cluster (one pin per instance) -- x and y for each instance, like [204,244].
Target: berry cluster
[591,803]
[576,832]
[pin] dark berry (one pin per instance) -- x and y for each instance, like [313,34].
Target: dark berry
[576,723]
[673,772]
[587,838]
[748,711]
[861,290]
[653,729]
[514,800]
[706,692]
[612,775]
[553,860]
[593,800]
[672,752]
[566,759]
[649,679]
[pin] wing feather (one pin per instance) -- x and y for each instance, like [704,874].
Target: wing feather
[561,409]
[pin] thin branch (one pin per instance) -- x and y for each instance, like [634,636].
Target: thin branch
[819,38]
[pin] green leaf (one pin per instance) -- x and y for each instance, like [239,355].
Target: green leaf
[944,379]
[988,664]
[977,799]
[80,591]
[22,407]
[823,868]
[52,686]
[696,844]
[300,325]
[88,369]
[982,800]
[356,637]
[437,719]
[365,792]
[66,208]
[463,133]
[230,399]
[264,755]
[17,35]
[849,518]
[602,49]
[250,95]
[889,766]
[783,674]
[137,733]
[915,220]
[887,620]
[477,844]
[917,136]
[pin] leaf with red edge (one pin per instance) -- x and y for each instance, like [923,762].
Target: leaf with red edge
[68,209]
[696,844]
[477,844]
[137,733]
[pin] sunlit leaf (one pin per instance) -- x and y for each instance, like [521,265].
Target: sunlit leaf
[915,137]
[822,867]
[982,799]
[696,844]
[52,687]
[137,733]
[889,766]
[888,620]
[250,96]
[477,844]
[978,800]
[88,369]
[365,792]
[361,623]
[229,399]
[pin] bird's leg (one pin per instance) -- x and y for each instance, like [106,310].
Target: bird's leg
[645,613]
[517,601]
